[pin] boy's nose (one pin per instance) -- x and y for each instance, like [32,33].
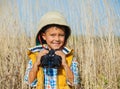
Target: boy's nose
[57,38]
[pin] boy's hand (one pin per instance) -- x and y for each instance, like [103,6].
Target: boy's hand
[69,73]
[40,54]
[63,56]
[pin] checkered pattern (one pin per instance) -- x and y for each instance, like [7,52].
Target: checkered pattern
[50,75]
[50,78]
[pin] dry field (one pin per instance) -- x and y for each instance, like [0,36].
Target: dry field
[99,59]
[98,55]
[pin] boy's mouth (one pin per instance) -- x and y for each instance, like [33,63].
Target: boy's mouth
[56,43]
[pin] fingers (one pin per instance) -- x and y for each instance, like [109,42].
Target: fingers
[43,52]
[60,53]
[63,56]
[40,54]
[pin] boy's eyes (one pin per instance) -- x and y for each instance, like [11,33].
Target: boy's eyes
[52,34]
[58,35]
[62,35]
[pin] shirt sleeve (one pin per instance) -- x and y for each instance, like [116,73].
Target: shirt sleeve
[75,69]
[29,67]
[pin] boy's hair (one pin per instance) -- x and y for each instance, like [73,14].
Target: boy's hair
[40,40]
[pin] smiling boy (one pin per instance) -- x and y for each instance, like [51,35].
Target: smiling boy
[52,35]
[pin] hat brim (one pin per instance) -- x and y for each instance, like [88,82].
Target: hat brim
[40,40]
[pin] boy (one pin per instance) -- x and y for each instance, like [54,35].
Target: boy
[53,34]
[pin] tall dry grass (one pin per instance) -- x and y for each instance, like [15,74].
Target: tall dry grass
[98,56]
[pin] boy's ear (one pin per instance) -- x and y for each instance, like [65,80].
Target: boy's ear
[44,36]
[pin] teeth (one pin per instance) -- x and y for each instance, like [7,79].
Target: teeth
[56,43]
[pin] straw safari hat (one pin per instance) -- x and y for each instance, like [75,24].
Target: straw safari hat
[51,19]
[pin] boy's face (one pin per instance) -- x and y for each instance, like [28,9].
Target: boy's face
[54,37]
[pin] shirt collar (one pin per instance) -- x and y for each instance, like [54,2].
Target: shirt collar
[40,47]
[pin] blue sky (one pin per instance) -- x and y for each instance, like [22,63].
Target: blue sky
[79,13]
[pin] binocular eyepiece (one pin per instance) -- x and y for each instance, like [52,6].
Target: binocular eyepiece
[51,60]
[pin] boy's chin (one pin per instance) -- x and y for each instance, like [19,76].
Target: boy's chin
[54,48]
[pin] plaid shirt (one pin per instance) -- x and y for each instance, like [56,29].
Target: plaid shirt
[50,76]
